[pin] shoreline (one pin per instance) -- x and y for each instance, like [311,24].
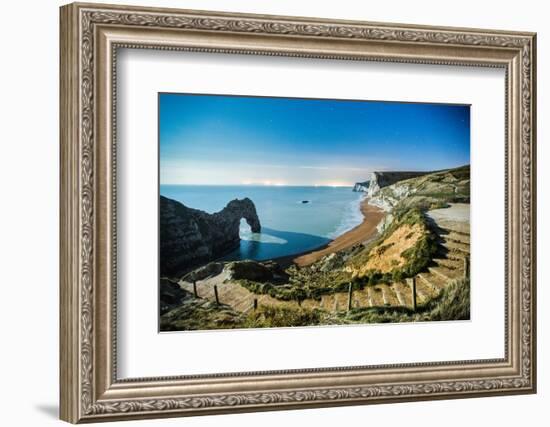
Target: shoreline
[366,230]
[372,216]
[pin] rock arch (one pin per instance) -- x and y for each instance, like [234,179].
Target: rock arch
[190,237]
[236,210]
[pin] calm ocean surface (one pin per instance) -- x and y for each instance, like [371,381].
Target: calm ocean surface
[288,225]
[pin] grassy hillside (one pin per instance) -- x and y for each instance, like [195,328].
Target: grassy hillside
[405,248]
[452,304]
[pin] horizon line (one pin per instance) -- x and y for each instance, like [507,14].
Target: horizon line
[260,185]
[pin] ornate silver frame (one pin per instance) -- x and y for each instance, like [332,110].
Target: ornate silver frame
[90,36]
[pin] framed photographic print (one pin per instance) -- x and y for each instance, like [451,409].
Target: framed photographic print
[289,232]
[264,212]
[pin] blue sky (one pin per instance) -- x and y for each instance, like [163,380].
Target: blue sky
[211,139]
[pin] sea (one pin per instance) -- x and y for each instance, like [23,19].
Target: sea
[289,226]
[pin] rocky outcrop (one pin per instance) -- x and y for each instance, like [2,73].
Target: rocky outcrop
[385,223]
[190,237]
[249,270]
[361,186]
[206,271]
[171,295]
[379,180]
[267,271]
[389,196]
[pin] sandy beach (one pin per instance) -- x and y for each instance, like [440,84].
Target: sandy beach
[372,216]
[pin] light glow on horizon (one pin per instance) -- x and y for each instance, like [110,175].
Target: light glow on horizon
[272,184]
[339,184]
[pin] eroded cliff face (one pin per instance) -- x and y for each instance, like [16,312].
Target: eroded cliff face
[428,191]
[190,237]
[379,180]
[361,186]
[388,197]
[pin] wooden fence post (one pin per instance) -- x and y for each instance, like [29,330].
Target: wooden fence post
[195,289]
[466,267]
[255,304]
[216,294]
[413,293]
[350,296]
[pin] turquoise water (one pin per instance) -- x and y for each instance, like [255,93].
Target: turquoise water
[288,226]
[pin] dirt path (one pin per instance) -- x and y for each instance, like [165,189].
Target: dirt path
[372,216]
[231,293]
[455,213]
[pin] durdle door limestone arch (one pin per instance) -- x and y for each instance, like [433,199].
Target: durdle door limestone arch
[189,237]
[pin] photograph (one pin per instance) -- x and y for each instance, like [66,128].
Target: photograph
[281,212]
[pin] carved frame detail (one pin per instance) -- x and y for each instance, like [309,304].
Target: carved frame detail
[81,398]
